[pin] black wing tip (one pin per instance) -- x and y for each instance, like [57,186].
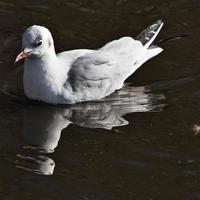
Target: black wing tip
[157,24]
[150,32]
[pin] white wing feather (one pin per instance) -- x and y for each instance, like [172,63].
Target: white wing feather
[106,69]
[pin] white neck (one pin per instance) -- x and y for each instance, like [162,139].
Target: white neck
[44,77]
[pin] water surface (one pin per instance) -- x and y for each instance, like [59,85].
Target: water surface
[140,143]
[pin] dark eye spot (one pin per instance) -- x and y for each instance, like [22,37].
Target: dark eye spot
[37,44]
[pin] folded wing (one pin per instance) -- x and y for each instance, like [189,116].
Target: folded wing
[101,72]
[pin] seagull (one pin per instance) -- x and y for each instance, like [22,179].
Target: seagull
[81,75]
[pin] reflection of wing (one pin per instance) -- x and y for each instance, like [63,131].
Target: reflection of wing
[43,124]
[97,115]
[107,113]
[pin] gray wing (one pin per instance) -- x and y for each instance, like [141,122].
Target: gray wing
[94,67]
[91,77]
[114,59]
[98,74]
[106,68]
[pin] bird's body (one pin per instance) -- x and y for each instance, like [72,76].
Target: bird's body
[81,75]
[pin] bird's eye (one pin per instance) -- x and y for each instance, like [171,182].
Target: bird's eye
[37,44]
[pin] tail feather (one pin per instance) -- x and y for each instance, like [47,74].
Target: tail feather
[149,34]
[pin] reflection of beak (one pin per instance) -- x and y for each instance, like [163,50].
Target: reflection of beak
[37,164]
[21,56]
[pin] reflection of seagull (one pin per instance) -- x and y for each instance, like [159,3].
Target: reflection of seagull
[108,112]
[81,75]
[196,129]
[42,127]
[37,164]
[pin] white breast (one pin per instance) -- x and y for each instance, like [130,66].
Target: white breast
[41,81]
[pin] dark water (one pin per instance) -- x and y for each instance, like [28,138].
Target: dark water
[142,142]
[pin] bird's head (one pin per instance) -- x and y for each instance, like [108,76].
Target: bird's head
[37,42]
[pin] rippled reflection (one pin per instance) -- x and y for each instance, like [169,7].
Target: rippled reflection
[38,164]
[43,124]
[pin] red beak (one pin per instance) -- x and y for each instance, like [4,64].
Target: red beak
[20,56]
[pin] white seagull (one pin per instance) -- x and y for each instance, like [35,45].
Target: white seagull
[81,75]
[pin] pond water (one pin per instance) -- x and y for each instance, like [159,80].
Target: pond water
[142,142]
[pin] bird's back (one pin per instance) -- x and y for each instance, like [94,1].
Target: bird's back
[99,73]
